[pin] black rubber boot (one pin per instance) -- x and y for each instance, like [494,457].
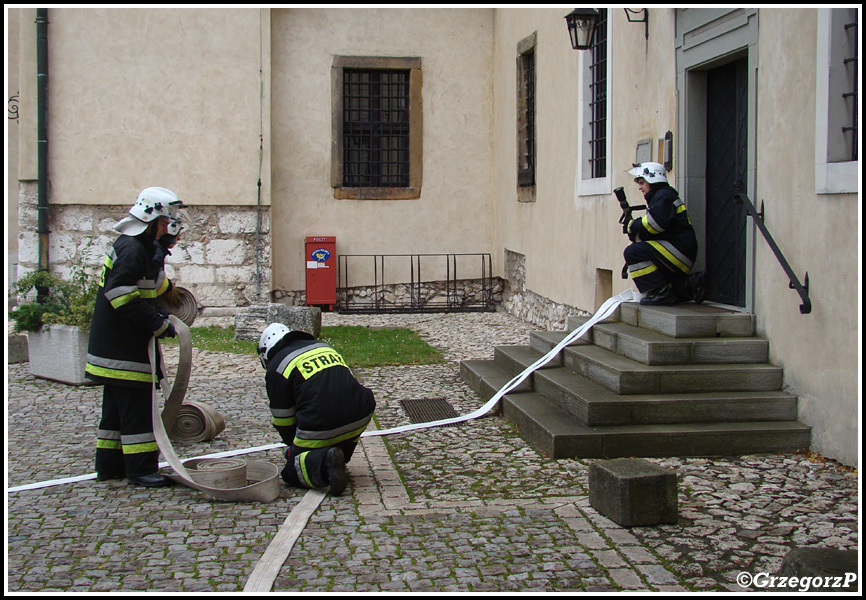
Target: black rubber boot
[335,465]
[663,296]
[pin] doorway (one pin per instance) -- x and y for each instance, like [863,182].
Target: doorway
[726,151]
[717,59]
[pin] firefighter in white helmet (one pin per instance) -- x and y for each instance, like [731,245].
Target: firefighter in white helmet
[125,321]
[318,407]
[664,247]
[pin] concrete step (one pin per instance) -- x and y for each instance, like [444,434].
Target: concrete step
[560,435]
[684,320]
[563,434]
[652,348]
[486,378]
[625,376]
[595,405]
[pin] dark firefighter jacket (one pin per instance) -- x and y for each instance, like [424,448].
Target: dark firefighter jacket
[667,228]
[125,318]
[315,400]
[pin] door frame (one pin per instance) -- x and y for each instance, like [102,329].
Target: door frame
[708,38]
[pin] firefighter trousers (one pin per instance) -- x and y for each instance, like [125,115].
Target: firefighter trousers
[125,442]
[650,269]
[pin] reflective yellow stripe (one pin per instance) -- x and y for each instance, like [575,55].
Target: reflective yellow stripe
[302,461]
[118,374]
[645,222]
[314,361]
[642,272]
[356,434]
[285,422]
[163,288]
[126,298]
[108,444]
[139,448]
[673,259]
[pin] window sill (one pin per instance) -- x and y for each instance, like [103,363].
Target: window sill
[377,193]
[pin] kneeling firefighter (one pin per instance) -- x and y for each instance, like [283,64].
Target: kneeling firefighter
[125,321]
[319,409]
[664,247]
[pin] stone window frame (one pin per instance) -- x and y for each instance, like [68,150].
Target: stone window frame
[587,185]
[830,177]
[526,173]
[416,128]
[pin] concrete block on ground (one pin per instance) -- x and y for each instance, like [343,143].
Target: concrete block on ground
[633,492]
[59,353]
[18,350]
[250,323]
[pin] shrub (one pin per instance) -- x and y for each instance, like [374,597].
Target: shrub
[66,302]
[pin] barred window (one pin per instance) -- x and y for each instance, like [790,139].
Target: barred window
[526,103]
[375,128]
[598,100]
[377,122]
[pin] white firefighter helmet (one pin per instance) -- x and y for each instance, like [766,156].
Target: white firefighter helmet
[272,334]
[650,172]
[152,203]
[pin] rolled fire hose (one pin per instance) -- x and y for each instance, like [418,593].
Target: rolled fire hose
[185,307]
[223,479]
[194,421]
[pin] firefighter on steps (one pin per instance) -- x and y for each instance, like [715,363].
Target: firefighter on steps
[125,321]
[664,247]
[318,407]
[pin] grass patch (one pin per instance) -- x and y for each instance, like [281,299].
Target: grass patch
[363,347]
[359,346]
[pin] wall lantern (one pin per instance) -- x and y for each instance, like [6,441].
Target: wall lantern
[581,27]
[645,20]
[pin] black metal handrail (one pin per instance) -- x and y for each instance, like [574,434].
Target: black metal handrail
[793,282]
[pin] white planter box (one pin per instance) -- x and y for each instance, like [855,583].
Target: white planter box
[59,353]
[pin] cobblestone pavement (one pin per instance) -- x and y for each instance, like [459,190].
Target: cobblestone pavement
[465,508]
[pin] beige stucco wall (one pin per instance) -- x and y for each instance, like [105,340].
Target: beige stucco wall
[155,97]
[158,96]
[455,47]
[565,234]
[817,233]
[12,127]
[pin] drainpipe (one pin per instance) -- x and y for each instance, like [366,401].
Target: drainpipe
[42,139]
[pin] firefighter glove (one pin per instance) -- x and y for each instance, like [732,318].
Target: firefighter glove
[166,331]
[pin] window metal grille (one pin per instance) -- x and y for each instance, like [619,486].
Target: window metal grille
[526,174]
[598,102]
[375,128]
[850,63]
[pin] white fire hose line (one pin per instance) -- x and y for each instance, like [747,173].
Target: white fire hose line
[269,565]
[603,312]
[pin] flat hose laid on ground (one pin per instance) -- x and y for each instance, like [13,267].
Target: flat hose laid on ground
[201,474]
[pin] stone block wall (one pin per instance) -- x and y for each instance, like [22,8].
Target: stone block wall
[526,304]
[223,256]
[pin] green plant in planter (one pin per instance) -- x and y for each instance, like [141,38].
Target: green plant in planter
[67,302]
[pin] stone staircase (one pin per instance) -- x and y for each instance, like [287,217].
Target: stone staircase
[684,380]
